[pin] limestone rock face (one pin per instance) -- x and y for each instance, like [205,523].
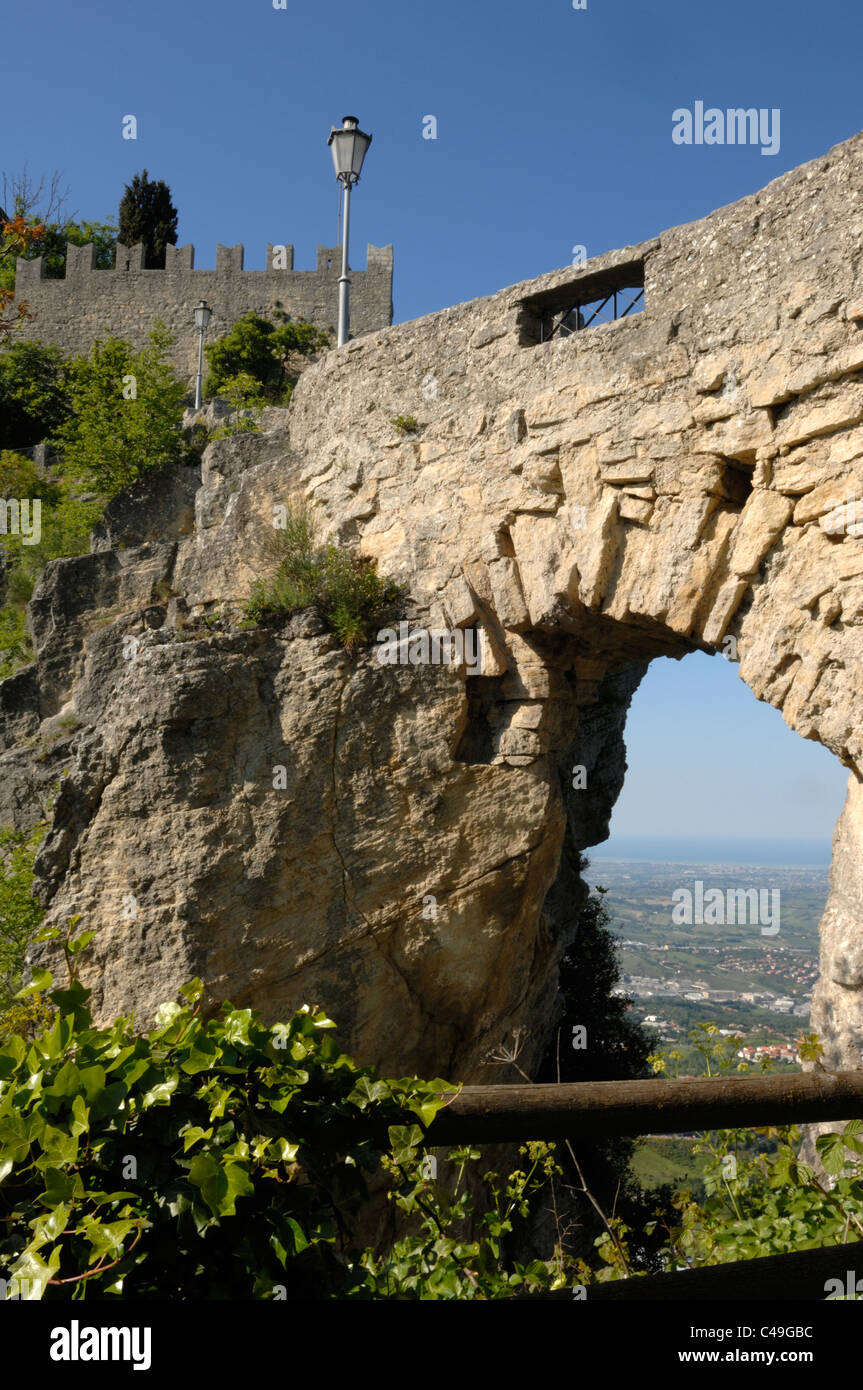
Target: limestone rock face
[681,479]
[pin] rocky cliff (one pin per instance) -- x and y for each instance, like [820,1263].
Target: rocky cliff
[294,824]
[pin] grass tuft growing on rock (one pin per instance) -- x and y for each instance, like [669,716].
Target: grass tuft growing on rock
[345,589]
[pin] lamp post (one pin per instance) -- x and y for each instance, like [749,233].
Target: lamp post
[202,318]
[349,146]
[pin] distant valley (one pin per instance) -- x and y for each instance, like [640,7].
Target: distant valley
[748,981]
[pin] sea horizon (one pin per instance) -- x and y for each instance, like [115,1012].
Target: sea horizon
[692,849]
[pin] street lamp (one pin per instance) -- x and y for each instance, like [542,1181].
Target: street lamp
[349,146]
[202,318]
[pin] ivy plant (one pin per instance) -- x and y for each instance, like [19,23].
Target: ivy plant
[204,1159]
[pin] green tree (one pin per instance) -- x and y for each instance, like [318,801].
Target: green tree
[66,523]
[127,411]
[19,477]
[243,392]
[270,353]
[33,401]
[148,216]
[16,647]
[51,240]
[102,235]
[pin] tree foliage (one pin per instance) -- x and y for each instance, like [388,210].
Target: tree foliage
[147,216]
[761,1197]
[65,523]
[41,208]
[262,350]
[16,236]
[50,240]
[33,399]
[126,413]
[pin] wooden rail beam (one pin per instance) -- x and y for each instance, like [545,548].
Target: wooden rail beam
[801,1276]
[512,1114]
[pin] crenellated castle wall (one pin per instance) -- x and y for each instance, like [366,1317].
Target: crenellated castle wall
[123,302]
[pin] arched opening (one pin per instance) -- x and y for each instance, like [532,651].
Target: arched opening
[715,874]
[717,869]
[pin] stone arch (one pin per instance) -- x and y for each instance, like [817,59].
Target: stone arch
[653,486]
[687,479]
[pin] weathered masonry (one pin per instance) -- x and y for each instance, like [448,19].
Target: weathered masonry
[683,478]
[90,303]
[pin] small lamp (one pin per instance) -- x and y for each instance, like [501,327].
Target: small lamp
[203,314]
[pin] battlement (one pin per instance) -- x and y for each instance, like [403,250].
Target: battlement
[89,303]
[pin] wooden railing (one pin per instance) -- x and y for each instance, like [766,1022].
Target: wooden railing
[601,1109]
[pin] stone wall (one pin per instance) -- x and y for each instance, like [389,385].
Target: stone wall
[671,482]
[90,303]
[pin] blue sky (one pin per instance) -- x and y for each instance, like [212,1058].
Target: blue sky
[707,760]
[553,130]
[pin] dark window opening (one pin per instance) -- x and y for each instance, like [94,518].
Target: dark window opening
[586,302]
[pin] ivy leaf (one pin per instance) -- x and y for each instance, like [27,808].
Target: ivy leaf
[367,1091]
[14,1138]
[201,1057]
[166,1015]
[61,1187]
[161,1094]
[219,1185]
[58,1148]
[192,1136]
[92,1082]
[67,1081]
[831,1150]
[404,1142]
[300,1241]
[287,1152]
[236,1026]
[42,980]
[12,1054]
[52,1225]
[33,1273]
[106,1238]
[109,1103]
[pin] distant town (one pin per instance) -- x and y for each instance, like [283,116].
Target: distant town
[752,987]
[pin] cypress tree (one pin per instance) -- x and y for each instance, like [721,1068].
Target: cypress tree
[147,215]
